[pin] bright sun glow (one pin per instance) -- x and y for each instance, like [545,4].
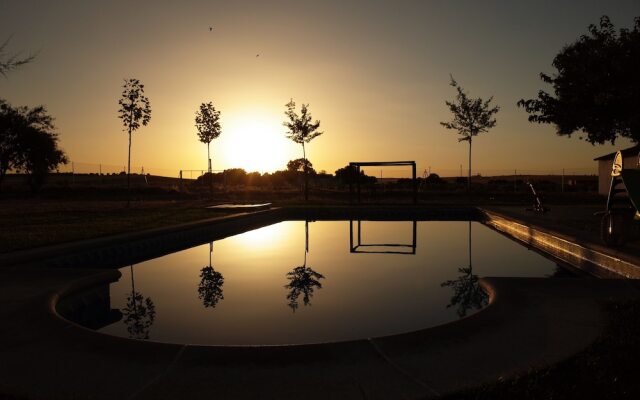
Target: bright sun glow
[255,141]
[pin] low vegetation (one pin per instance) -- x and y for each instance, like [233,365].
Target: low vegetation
[36,223]
[605,370]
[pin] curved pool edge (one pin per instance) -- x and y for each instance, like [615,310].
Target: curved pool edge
[529,322]
[110,276]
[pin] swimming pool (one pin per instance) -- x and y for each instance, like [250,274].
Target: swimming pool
[298,282]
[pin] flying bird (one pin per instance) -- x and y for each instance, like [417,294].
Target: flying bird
[257,55]
[210,28]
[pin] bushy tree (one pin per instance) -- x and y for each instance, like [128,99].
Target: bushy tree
[301,130]
[8,143]
[135,109]
[28,143]
[301,165]
[349,175]
[596,86]
[210,287]
[470,117]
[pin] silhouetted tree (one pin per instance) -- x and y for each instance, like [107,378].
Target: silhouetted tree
[208,126]
[348,175]
[11,61]
[211,282]
[434,179]
[28,143]
[596,88]
[470,117]
[467,292]
[303,280]
[235,176]
[8,139]
[301,164]
[139,313]
[134,110]
[301,130]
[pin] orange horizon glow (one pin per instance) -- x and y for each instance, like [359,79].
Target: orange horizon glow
[375,74]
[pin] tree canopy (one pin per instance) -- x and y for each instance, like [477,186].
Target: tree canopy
[300,165]
[349,175]
[208,122]
[596,86]
[134,105]
[470,116]
[300,128]
[28,143]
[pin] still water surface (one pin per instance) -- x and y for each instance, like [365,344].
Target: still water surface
[307,282]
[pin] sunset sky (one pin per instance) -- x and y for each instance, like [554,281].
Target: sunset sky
[375,73]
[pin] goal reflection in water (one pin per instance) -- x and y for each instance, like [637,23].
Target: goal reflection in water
[380,248]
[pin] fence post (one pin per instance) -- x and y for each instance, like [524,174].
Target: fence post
[180,180]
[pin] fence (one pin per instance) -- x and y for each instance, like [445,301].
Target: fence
[107,169]
[424,171]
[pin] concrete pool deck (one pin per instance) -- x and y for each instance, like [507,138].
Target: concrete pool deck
[529,323]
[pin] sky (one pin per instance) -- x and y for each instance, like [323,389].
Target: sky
[375,73]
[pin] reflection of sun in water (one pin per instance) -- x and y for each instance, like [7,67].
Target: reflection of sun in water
[255,141]
[270,237]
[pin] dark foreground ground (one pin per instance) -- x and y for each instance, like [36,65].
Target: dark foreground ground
[606,369]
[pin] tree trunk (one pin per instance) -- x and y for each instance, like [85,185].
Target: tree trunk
[210,171]
[129,171]
[306,176]
[469,178]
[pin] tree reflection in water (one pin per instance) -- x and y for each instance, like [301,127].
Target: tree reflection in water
[139,313]
[467,293]
[210,287]
[303,280]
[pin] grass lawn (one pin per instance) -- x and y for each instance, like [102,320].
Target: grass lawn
[33,223]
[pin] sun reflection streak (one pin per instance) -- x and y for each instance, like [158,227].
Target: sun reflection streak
[271,236]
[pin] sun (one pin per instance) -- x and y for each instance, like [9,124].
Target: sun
[254,140]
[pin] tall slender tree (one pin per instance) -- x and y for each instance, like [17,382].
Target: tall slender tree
[470,118]
[301,130]
[208,126]
[135,109]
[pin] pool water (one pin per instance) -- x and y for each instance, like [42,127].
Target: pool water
[298,282]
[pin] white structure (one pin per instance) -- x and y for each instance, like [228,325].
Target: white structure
[630,160]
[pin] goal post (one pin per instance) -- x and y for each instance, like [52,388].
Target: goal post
[359,164]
